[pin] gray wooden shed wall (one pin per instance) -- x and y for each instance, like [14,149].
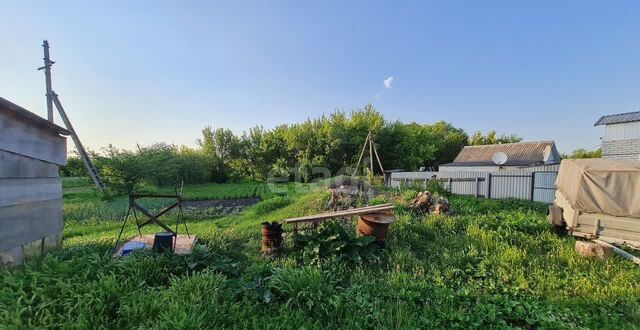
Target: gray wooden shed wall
[30,188]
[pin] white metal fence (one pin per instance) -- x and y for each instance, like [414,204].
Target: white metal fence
[536,186]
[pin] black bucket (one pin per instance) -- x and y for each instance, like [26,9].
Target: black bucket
[163,241]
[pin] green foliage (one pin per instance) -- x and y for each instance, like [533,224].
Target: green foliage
[121,170]
[75,167]
[160,164]
[492,138]
[306,288]
[75,182]
[332,240]
[304,152]
[494,264]
[583,153]
[437,187]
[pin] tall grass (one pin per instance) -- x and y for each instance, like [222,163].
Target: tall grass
[494,264]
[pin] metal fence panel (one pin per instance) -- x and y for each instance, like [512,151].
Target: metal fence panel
[537,186]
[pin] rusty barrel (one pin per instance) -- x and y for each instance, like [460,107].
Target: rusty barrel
[271,237]
[375,224]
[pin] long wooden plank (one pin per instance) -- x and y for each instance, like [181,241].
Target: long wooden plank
[23,138]
[358,211]
[24,223]
[26,190]
[343,212]
[14,165]
[620,252]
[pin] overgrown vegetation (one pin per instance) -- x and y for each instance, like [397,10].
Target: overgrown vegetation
[494,264]
[331,240]
[583,153]
[316,148]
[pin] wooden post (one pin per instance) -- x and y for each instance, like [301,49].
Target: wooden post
[364,146]
[450,185]
[93,172]
[47,78]
[533,185]
[477,187]
[489,186]
[620,252]
[375,151]
[371,154]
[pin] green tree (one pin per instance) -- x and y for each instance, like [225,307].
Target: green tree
[583,153]
[492,138]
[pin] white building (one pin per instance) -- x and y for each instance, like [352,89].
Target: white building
[622,136]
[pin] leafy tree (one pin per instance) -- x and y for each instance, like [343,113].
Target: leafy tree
[121,170]
[583,153]
[492,138]
[74,167]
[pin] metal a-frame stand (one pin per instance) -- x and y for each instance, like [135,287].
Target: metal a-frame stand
[153,218]
[372,151]
[53,99]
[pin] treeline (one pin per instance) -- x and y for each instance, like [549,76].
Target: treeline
[309,149]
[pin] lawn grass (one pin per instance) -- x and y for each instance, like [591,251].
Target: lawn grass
[493,264]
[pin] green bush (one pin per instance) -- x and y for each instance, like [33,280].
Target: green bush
[332,240]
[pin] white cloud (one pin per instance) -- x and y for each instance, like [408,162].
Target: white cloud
[388,83]
[376,95]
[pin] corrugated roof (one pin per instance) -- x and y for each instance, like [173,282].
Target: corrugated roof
[518,154]
[618,118]
[20,112]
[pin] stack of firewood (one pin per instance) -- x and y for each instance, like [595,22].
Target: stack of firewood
[426,203]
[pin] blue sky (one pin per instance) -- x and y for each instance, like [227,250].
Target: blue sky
[148,71]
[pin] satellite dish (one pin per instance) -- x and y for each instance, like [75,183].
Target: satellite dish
[499,158]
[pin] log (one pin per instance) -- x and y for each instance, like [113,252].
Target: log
[620,252]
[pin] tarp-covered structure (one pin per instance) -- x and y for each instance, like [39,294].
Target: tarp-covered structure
[604,186]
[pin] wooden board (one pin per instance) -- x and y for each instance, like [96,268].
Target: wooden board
[22,138]
[27,190]
[19,166]
[24,223]
[183,246]
[338,214]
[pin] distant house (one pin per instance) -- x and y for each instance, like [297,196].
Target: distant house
[622,136]
[529,156]
[31,151]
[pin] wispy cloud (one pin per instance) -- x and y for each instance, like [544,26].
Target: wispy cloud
[388,83]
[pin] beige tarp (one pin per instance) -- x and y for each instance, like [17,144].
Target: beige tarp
[601,186]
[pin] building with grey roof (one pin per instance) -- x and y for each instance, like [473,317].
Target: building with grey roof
[538,155]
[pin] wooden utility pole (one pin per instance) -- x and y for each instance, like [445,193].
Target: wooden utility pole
[52,98]
[47,79]
[372,151]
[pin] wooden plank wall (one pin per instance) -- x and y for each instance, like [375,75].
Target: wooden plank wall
[21,137]
[30,201]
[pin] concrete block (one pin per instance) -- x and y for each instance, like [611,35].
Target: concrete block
[590,249]
[10,258]
[32,249]
[51,243]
